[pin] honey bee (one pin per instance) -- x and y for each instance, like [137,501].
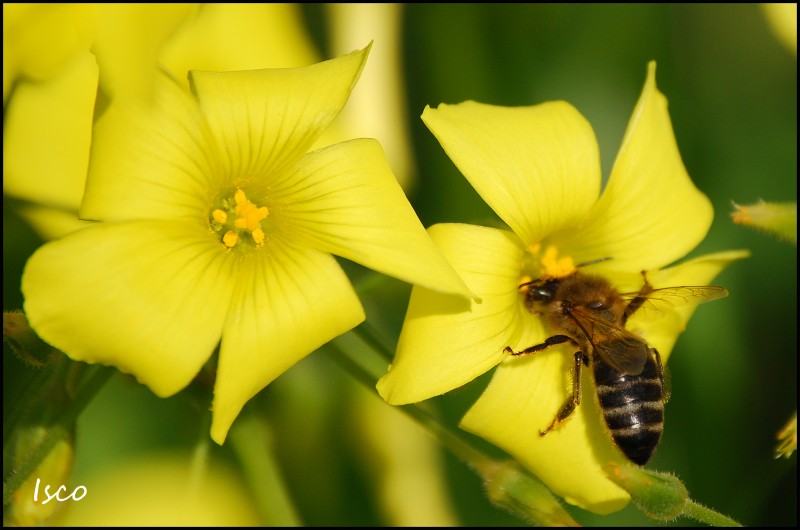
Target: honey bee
[588,312]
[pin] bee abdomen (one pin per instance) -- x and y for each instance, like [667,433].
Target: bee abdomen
[633,409]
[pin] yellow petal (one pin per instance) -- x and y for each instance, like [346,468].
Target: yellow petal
[128,40]
[47,134]
[39,39]
[152,162]
[265,120]
[650,213]
[51,223]
[147,297]
[538,167]
[662,333]
[288,302]
[447,341]
[345,200]
[523,397]
[224,37]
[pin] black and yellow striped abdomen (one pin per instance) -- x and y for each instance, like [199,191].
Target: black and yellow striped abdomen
[633,407]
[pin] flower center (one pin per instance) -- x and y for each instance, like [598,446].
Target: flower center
[239,220]
[546,264]
[554,266]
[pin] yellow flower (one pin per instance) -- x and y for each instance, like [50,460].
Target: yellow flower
[40,40]
[218,223]
[48,123]
[538,168]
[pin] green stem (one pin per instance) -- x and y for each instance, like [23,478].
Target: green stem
[461,449]
[370,336]
[700,513]
[508,486]
[200,457]
[36,389]
[59,428]
[369,376]
[250,437]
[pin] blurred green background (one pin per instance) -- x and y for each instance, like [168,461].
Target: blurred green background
[732,91]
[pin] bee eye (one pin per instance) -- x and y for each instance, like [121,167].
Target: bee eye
[541,295]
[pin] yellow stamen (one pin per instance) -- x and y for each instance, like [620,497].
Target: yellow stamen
[249,215]
[230,238]
[219,216]
[241,216]
[554,266]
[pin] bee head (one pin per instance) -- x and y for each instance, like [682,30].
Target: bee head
[540,291]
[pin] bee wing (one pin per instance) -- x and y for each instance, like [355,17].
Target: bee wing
[622,350]
[626,356]
[664,299]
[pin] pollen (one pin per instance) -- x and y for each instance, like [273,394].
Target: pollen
[238,220]
[554,266]
[258,236]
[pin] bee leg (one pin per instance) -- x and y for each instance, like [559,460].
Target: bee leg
[572,401]
[661,375]
[551,341]
[639,300]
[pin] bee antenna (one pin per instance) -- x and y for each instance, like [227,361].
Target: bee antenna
[587,263]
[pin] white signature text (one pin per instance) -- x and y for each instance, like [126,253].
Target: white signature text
[74,495]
